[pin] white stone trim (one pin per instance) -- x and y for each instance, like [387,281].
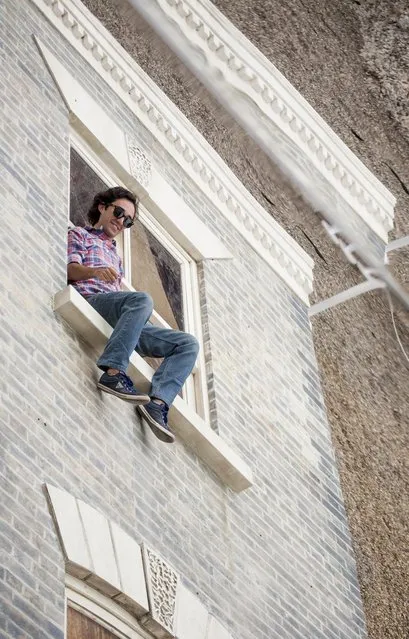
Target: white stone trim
[187,424]
[105,565]
[215,630]
[135,593]
[129,558]
[192,616]
[71,533]
[156,598]
[199,26]
[182,141]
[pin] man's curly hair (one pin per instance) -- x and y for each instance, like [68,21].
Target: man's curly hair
[109,196]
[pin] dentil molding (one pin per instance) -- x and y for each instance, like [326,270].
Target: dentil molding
[199,27]
[180,138]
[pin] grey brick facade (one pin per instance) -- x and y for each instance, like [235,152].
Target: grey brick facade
[272,562]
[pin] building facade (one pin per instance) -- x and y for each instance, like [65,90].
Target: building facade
[350,62]
[237,530]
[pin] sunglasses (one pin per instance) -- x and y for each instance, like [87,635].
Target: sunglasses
[119,212]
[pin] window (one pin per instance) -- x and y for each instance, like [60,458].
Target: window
[92,615]
[152,260]
[79,626]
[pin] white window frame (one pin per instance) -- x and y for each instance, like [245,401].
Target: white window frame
[104,611]
[194,391]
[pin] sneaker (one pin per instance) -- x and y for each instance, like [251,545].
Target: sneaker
[122,386]
[156,415]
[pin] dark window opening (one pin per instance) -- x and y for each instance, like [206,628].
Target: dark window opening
[84,184]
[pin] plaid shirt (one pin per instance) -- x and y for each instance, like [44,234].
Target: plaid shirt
[92,247]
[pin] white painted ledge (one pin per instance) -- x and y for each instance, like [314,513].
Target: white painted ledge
[188,426]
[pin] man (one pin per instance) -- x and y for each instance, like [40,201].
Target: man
[95,270]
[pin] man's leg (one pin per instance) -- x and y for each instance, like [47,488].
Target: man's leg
[127,313]
[179,351]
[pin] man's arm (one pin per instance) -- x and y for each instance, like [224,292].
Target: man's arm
[76,252]
[77,272]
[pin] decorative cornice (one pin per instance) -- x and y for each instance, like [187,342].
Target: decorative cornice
[182,141]
[227,50]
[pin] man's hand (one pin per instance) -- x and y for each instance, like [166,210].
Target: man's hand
[105,273]
[77,272]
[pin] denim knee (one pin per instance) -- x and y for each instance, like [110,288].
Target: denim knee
[140,301]
[190,343]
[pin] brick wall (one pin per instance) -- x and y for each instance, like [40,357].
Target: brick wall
[274,561]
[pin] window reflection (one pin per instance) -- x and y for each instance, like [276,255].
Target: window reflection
[84,184]
[157,272]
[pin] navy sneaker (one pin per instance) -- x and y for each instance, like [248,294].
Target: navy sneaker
[156,415]
[122,386]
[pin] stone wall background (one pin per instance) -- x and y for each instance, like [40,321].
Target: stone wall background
[384,28]
[350,61]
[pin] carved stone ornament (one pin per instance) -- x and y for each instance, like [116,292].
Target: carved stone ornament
[141,166]
[162,582]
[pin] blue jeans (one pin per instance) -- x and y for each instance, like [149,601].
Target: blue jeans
[128,314]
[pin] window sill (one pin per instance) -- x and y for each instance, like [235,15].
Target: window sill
[189,427]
